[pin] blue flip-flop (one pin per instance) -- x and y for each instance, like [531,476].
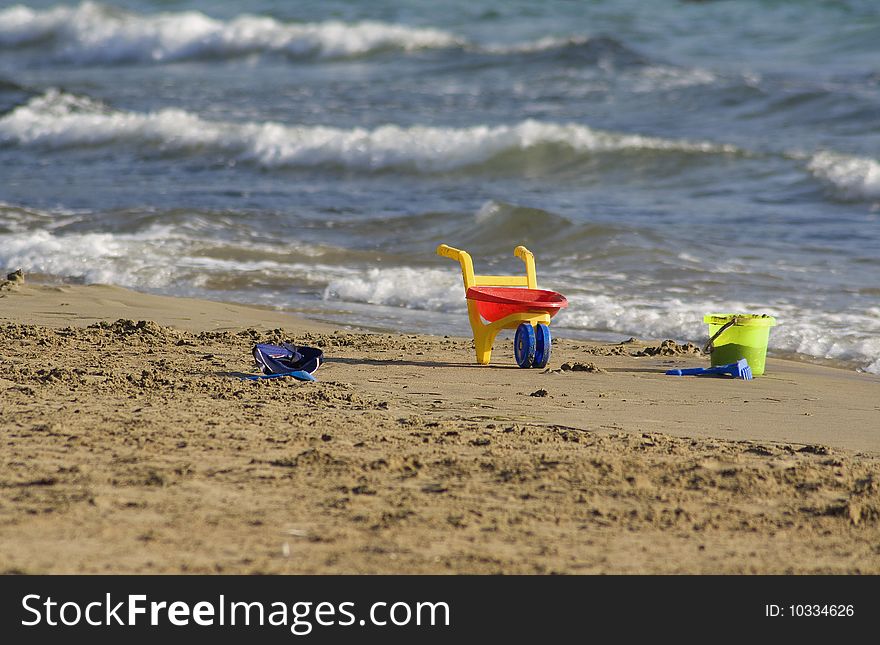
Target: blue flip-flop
[286,360]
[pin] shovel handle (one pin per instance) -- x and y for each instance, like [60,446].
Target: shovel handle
[691,371]
[699,371]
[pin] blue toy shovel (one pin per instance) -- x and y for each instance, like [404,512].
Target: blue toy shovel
[740,369]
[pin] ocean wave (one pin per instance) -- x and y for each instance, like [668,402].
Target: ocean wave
[92,33]
[574,49]
[654,78]
[106,258]
[12,95]
[18,219]
[428,289]
[546,43]
[853,178]
[499,226]
[161,256]
[58,120]
[10,86]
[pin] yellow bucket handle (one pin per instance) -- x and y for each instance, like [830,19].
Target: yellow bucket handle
[710,346]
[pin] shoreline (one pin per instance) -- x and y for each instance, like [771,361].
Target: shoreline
[43,281]
[136,447]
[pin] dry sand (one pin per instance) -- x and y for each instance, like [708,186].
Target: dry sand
[134,447]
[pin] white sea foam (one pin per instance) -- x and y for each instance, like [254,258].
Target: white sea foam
[57,120]
[851,177]
[665,77]
[431,289]
[541,44]
[92,33]
[673,318]
[126,260]
[158,257]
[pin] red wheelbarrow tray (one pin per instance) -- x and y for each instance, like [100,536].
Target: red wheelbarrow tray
[494,303]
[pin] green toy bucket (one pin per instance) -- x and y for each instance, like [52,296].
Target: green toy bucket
[736,336]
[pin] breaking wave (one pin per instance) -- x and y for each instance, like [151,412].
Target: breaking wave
[855,178]
[92,33]
[58,120]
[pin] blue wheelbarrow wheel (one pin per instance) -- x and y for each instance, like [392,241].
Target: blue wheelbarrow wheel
[542,345]
[524,345]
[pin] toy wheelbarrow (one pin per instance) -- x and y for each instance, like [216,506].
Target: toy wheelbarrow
[508,302]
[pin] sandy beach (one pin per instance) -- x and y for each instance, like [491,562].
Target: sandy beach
[131,445]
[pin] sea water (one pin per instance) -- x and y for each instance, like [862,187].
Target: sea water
[663,160]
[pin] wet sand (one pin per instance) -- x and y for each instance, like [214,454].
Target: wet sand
[135,447]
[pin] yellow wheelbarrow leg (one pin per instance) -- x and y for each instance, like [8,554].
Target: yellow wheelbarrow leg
[483,342]
[483,336]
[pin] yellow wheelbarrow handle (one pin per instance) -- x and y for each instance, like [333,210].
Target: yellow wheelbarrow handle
[449,252]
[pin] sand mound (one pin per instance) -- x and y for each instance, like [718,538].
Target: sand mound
[669,348]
